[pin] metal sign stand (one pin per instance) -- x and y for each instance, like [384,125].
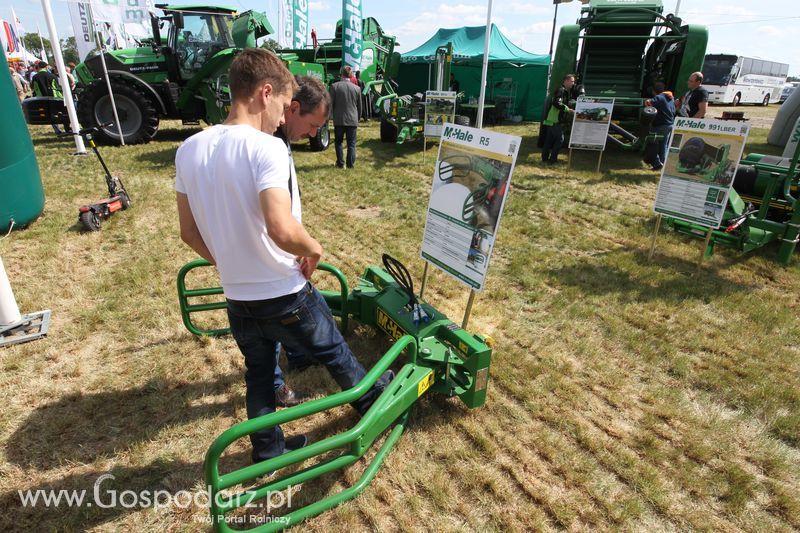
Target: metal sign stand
[655,234]
[31,327]
[705,247]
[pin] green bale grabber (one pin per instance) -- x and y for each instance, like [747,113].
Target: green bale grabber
[763,207]
[439,357]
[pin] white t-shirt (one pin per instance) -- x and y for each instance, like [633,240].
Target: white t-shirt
[222,170]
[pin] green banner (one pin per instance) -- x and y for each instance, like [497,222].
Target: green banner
[300,26]
[351,34]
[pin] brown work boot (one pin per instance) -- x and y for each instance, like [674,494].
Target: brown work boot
[286,397]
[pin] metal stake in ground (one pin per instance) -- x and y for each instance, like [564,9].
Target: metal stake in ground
[704,252]
[655,233]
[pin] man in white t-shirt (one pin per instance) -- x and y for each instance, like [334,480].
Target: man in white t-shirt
[239,208]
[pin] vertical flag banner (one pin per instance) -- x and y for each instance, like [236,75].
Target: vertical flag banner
[18,29]
[82,28]
[351,34]
[107,11]
[285,24]
[300,26]
[10,37]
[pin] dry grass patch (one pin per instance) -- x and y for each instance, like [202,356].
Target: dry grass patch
[625,394]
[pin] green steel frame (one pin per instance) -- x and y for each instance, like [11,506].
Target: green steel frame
[440,357]
[777,217]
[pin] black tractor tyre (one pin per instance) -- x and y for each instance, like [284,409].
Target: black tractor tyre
[388,132]
[89,221]
[137,114]
[322,139]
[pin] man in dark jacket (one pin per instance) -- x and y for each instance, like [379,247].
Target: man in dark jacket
[45,83]
[346,104]
[662,124]
[556,117]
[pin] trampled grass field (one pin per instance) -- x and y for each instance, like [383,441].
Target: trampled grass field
[624,393]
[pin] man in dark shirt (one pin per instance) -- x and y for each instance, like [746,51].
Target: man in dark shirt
[346,104]
[662,124]
[454,85]
[695,102]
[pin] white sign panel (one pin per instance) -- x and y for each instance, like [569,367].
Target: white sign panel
[698,174]
[440,107]
[470,186]
[590,123]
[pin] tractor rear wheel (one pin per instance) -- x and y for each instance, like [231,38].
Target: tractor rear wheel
[388,132]
[137,114]
[322,140]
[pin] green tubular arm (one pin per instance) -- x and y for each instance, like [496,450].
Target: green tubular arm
[187,309]
[358,438]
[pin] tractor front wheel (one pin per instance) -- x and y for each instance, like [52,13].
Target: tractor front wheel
[388,132]
[137,115]
[322,139]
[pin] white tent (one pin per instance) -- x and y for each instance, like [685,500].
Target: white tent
[23,55]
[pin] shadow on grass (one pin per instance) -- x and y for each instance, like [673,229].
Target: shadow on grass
[685,281]
[84,427]
[175,134]
[165,156]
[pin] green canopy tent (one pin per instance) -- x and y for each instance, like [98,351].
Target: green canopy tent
[515,77]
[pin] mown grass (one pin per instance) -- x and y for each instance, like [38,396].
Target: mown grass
[625,393]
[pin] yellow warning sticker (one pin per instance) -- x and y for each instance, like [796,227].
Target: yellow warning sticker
[425,384]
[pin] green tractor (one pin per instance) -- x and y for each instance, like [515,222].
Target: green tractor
[184,74]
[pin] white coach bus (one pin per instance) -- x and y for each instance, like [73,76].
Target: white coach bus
[731,79]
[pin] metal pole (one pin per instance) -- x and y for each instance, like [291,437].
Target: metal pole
[468,311]
[424,280]
[102,46]
[677,7]
[487,39]
[655,233]
[705,247]
[553,36]
[69,103]
[599,160]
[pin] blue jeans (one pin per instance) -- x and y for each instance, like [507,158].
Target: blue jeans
[661,155]
[339,133]
[303,323]
[554,139]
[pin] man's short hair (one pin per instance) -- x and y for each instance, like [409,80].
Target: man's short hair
[659,87]
[310,94]
[347,72]
[698,76]
[254,67]
[568,76]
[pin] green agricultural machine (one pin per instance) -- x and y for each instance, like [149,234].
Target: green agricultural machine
[403,117]
[439,357]
[763,207]
[183,74]
[619,49]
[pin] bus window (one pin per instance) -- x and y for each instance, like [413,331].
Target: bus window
[747,66]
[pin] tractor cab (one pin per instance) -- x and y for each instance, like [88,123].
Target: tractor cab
[196,34]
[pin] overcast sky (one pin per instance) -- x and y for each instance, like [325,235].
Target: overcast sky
[768,28]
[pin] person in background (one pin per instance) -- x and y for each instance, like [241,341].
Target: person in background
[346,104]
[307,113]
[70,76]
[364,98]
[694,103]
[44,83]
[664,103]
[556,117]
[15,79]
[454,85]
